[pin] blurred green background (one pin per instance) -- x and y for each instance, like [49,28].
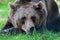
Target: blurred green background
[4,12]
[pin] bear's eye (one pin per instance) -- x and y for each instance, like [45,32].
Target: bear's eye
[33,18]
[23,20]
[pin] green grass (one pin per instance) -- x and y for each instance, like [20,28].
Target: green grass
[46,35]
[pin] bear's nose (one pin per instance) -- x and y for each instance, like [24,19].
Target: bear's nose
[31,29]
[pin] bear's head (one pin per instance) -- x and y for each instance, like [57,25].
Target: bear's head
[28,16]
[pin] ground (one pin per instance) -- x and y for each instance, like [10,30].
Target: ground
[46,35]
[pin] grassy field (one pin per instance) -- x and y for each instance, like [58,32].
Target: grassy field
[46,35]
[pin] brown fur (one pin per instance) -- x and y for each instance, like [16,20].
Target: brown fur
[51,6]
[32,13]
[28,15]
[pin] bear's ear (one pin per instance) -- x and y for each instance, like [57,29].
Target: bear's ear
[12,6]
[38,5]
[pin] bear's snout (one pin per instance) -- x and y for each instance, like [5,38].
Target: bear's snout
[31,29]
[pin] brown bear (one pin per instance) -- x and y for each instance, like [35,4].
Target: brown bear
[26,15]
